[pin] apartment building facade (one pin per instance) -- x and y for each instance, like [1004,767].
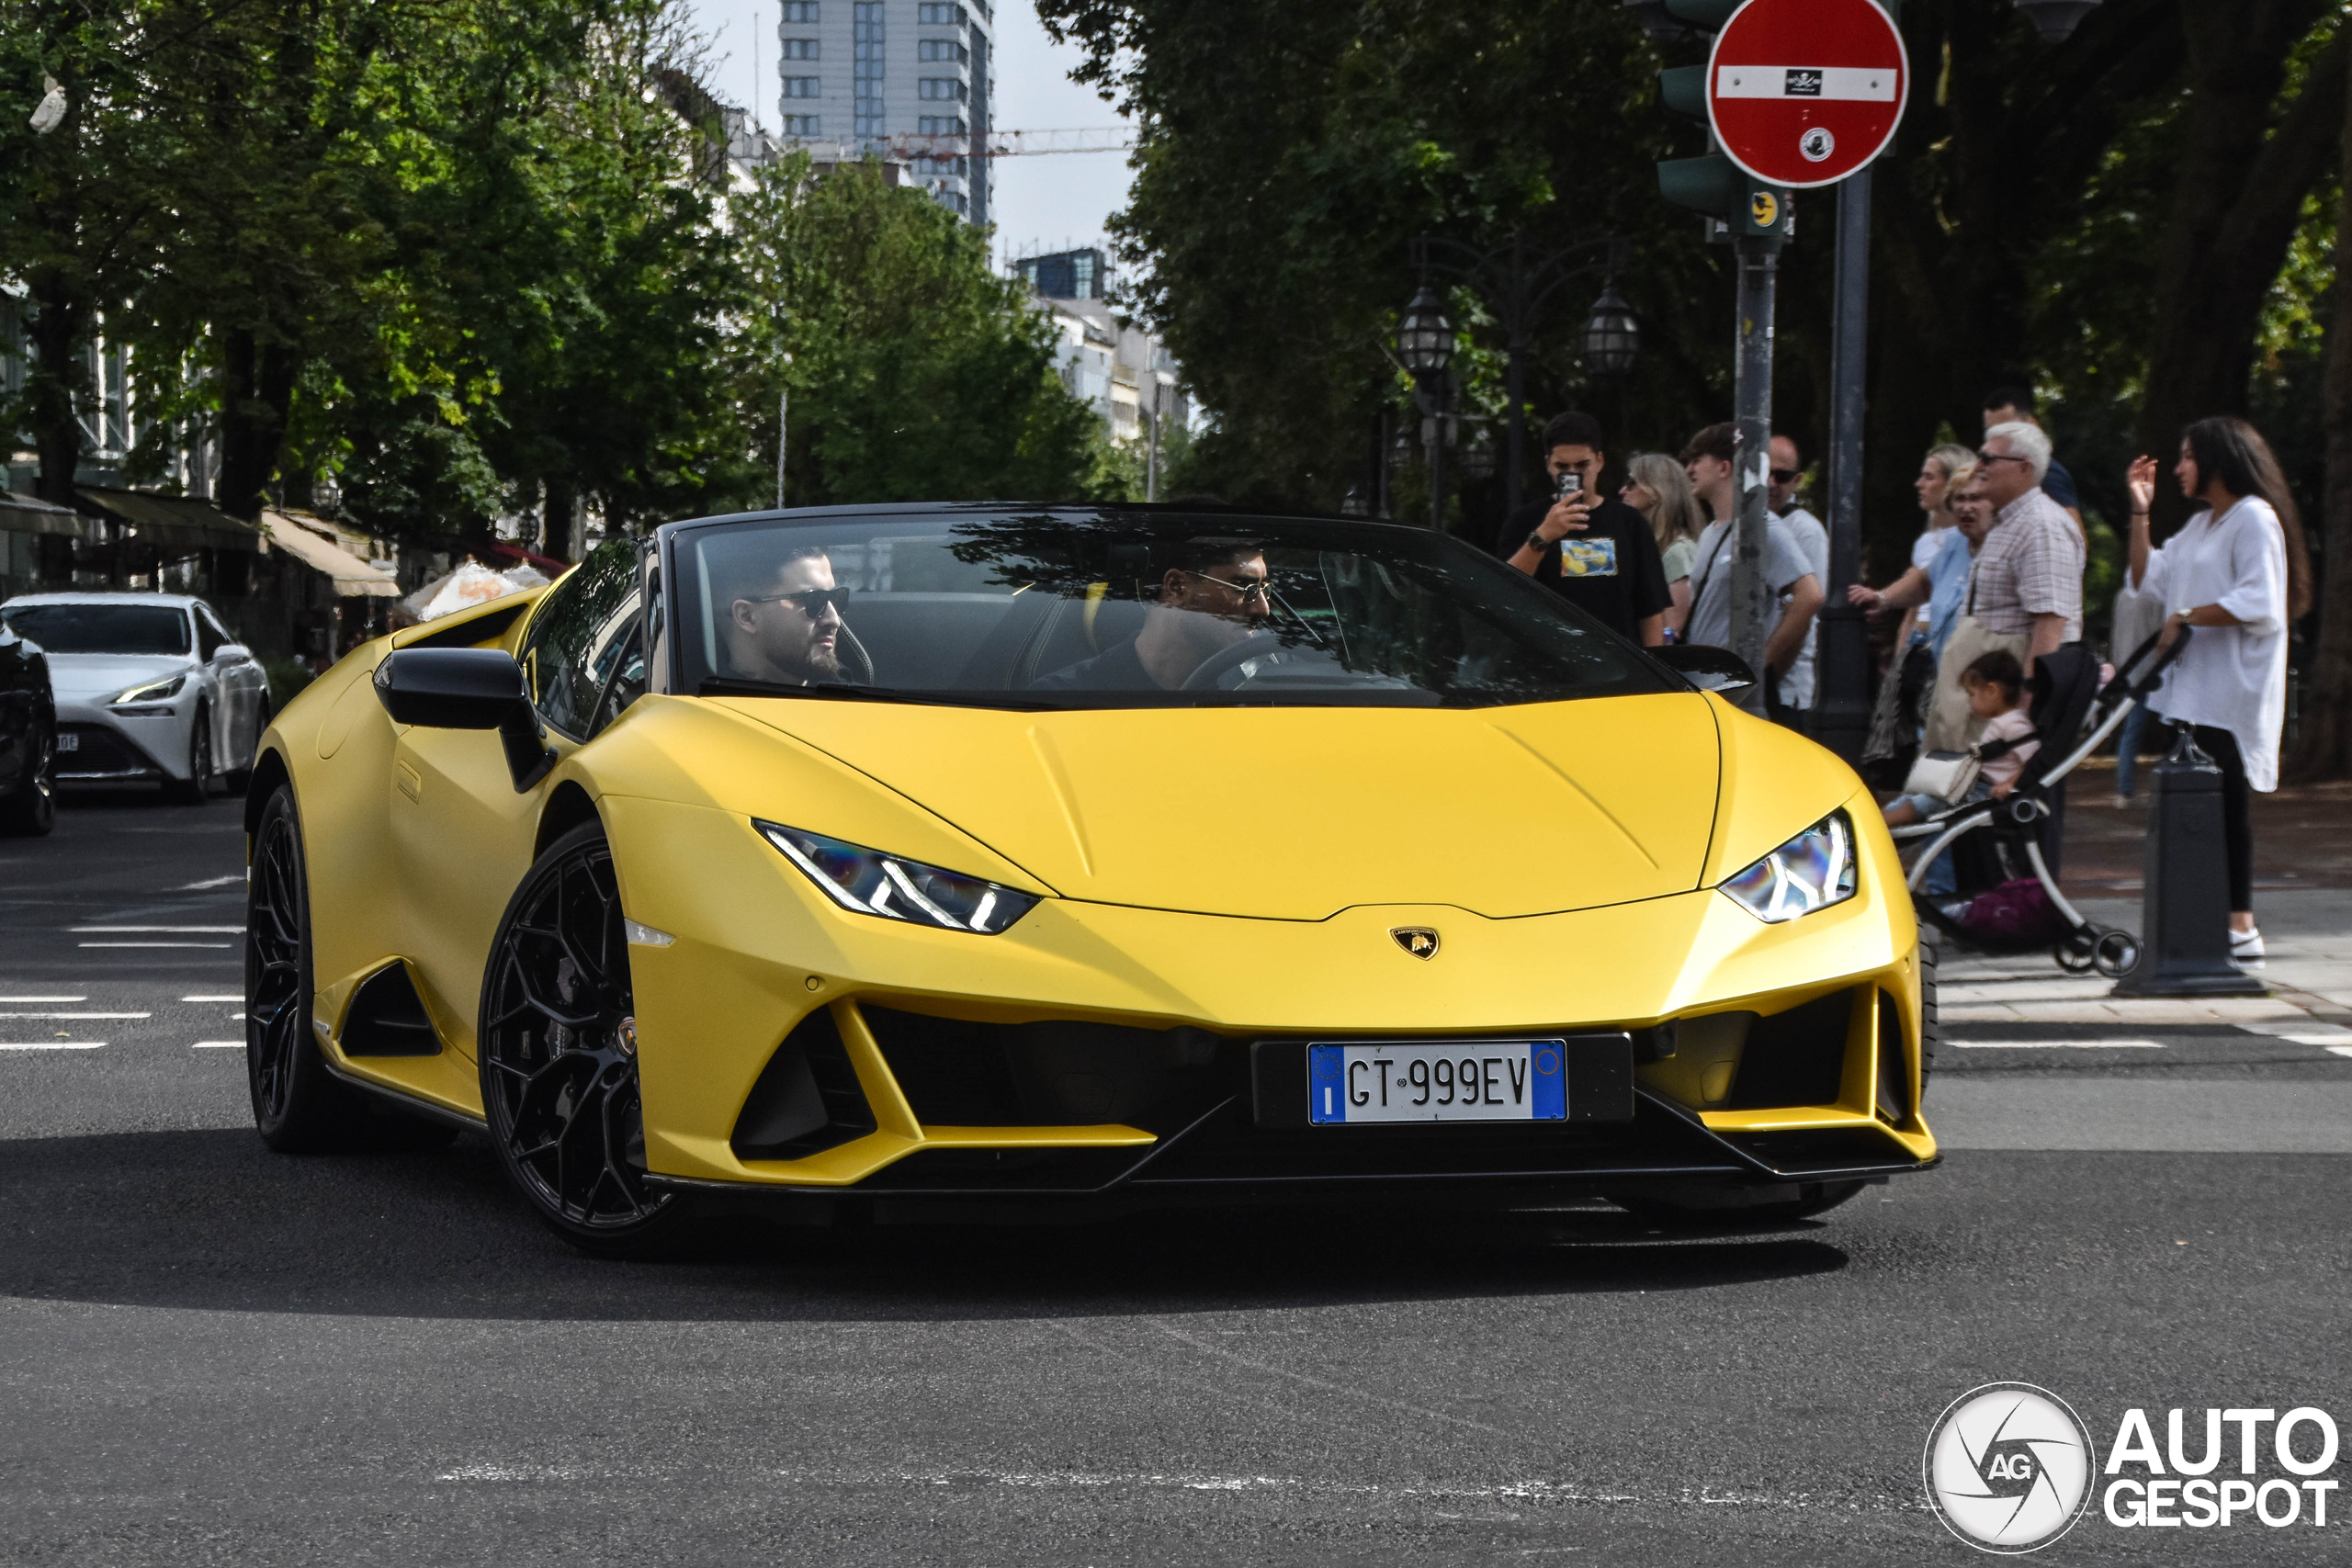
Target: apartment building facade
[872,76]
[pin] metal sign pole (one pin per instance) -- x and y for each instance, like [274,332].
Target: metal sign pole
[1752,606]
[1841,712]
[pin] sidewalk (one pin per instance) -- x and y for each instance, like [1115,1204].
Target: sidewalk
[2303,897]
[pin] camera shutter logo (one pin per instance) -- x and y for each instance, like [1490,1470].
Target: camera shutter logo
[2009,1467]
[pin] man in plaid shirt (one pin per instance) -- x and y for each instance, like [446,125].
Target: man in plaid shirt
[2025,592]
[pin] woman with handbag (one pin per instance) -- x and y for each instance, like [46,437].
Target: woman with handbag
[2237,572]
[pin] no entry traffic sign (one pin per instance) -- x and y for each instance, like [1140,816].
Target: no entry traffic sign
[1805,92]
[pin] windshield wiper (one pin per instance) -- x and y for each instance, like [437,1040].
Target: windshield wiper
[841,691]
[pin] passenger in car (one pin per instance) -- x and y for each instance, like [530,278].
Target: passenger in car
[1213,596]
[784,619]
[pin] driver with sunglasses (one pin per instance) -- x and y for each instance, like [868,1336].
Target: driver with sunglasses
[1213,596]
[784,622]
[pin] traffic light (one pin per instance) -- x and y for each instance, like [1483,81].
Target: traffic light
[1714,185]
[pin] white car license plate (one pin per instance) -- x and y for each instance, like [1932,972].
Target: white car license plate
[67,740]
[1465,1080]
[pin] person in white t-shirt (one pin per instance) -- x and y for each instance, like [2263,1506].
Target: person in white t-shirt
[2237,573]
[1811,539]
[1708,460]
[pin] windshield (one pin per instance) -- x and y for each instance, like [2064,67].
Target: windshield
[1109,609]
[101,628]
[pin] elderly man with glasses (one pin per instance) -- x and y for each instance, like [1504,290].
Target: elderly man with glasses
[2025,592]
[1213,594]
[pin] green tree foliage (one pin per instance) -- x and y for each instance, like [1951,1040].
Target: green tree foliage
[470,258]
[916,373]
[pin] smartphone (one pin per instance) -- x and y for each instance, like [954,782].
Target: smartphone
[1568,486]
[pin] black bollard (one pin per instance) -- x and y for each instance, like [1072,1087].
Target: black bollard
[2184,902]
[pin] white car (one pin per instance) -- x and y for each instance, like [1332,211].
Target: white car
[149,686]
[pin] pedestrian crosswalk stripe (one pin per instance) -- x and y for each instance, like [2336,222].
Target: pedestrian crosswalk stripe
[219,1046]
[10,1015]
[222,945]
[12,1001]
[52,1045]
[224,999]
[94,931]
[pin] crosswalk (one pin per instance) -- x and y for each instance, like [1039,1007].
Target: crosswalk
[113,1016]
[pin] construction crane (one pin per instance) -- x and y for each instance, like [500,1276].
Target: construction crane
[1010,144]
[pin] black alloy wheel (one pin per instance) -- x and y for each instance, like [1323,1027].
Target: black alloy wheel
[197,786]
[559,1054]
[30,809]
[298,1106]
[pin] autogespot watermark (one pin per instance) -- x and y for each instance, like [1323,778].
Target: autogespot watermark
[2009,1468]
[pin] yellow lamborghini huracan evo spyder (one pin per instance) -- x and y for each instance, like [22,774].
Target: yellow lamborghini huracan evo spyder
[935,857]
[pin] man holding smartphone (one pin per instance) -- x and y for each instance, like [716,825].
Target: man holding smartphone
[1596,552]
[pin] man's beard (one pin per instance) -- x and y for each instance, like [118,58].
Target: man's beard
[820,664]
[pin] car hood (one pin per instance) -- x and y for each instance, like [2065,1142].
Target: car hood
[1299,813]
[104,674]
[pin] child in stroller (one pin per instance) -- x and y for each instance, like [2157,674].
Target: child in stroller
[2005,898]
[1995,683]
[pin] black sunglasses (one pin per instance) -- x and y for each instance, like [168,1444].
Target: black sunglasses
[1785,476]
[1245,588]
[2002,458]
[809,601]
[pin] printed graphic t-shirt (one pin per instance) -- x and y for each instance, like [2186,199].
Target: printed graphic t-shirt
[1610,570]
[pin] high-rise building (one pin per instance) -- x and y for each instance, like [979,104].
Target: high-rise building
[862,76]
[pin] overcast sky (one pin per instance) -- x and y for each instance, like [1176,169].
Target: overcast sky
[1041,200]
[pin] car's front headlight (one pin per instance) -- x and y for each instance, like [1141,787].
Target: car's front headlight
[1811,872]
[162,691]
[897,888]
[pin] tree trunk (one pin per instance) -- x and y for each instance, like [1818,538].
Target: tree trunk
[559,504]
[2245,171]
[56,331]
[259,379]
[2323,738]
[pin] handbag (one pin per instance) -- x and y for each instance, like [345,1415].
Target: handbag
[1948,776]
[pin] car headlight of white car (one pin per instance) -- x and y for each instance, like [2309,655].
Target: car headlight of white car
[154,697]
[1809,873]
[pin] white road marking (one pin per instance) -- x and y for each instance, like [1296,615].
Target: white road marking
[12,1001]
[209,882]
[2342,1050]
[222,946]
[218,1045]
[52,1045]
[8,1015]
[223,998]
[93,930]
[2060,1045]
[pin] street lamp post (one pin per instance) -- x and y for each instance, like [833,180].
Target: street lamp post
[1517,284]
[1425,343]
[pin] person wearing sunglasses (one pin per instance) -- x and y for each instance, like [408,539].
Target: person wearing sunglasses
[1813,541]
[1214,593]
[783,622]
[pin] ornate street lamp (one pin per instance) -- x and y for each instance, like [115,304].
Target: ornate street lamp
[1612,335]
[1478,454]
[1425,339]
[2056,19]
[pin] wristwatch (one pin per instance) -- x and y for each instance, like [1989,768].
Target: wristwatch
[1538,543]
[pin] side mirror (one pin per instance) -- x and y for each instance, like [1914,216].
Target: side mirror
[1709,669]
[232,653]
[468,688]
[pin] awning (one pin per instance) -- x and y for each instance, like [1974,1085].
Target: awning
[353,578]
[23,514]
[171,522]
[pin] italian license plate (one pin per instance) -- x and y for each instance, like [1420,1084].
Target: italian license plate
[67,740]
[1465,1080]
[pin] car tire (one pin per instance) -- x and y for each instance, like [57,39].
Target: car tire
[197,788]
[238,780]
[557,1046]
[1712,1205]
[29,810]
[299,1107]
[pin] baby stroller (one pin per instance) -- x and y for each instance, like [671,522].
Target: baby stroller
[1996,844]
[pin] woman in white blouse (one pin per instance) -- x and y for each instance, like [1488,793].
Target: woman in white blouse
[2238,573]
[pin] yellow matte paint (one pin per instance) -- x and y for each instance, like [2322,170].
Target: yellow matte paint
[1236,870]
[1507,811]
